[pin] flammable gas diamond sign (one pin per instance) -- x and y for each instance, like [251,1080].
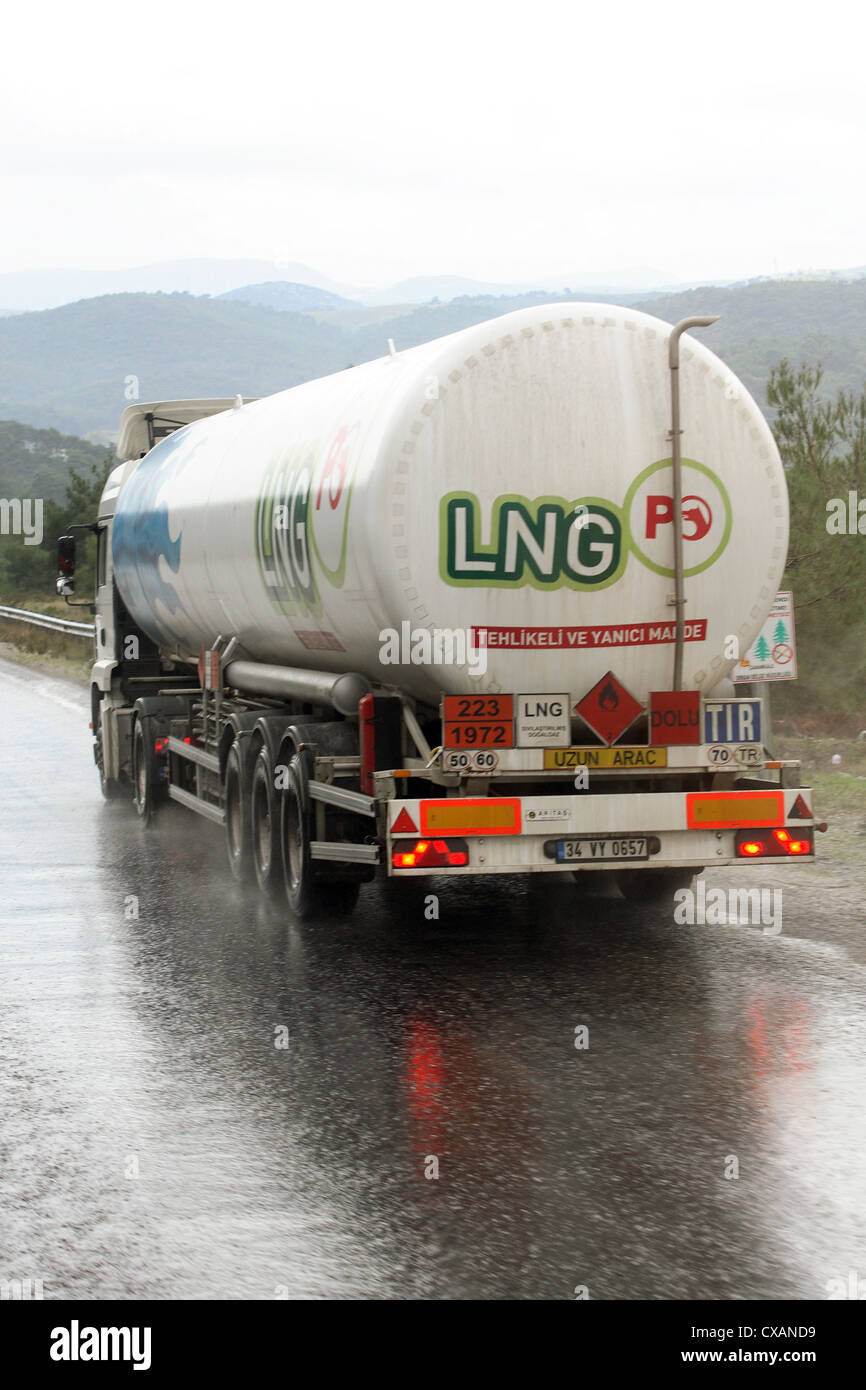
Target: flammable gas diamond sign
[773,654]
[608,708]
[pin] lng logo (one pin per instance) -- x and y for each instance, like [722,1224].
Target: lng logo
[550,542]
[282,532]
[303,511]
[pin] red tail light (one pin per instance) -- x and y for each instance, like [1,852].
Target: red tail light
[430,854]
[773,844]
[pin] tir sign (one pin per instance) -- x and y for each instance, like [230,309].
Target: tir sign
[732,721]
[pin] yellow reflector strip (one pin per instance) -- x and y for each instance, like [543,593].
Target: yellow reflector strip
[721,810]
[472,816]
[555,758]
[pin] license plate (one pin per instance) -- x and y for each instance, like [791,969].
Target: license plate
[602,849]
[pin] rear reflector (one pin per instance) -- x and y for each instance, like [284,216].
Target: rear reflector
[773,844]
[483,815]
[430,854]
[724,810]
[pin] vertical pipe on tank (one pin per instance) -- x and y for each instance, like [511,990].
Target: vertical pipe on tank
[676,460]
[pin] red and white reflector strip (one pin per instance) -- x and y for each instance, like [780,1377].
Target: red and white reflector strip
[774,844]
[430,854]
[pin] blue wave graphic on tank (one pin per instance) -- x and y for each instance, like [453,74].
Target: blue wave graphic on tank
[141,536]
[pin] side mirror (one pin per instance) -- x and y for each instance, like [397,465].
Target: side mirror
[66,566]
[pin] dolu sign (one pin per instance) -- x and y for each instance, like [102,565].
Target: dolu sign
[675,717]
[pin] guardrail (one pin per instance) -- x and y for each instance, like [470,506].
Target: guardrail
[21,615]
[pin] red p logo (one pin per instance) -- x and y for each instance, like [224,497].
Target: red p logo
[659,512]
[697,516]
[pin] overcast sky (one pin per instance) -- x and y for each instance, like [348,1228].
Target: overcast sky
[376,141]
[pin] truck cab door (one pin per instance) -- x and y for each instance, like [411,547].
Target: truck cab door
[104,615]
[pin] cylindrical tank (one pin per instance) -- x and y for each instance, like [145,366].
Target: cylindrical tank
[511,481]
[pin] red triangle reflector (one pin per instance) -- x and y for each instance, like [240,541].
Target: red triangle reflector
[403,823]
[799,810]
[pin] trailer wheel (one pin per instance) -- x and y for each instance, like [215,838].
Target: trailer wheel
[653,885]
[236,799]
[307,895]
[146,786]
[265,825]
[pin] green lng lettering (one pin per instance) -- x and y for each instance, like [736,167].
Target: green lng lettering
[547,542]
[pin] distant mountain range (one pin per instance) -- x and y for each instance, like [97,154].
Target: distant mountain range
[27,290]
[73,368]
[23,290]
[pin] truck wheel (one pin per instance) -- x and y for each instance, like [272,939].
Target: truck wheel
[265,825]
[146,787]
[237,796]
[307,895]
[109,786]
[653,885]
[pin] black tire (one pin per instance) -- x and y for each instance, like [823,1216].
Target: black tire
[237,798]
[147,791]
[110,787]
[308,896]
[653,885]
[265,825]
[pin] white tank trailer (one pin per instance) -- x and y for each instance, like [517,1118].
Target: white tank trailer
[464,565]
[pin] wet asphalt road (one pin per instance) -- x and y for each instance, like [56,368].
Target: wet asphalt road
[155,1142]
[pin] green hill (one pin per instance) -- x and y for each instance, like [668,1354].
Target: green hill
[760,323]
[36,463]
[69,368]
[286,295]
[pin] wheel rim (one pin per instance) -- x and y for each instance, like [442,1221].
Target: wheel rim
[294,842]
[233,815]
[263,830]
[140,771]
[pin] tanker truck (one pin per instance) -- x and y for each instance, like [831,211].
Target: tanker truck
[469,609]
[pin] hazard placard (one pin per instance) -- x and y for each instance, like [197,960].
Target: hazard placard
[773,654]
[675,716]
[608,708]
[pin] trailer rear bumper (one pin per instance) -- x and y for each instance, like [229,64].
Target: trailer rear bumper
[639,830]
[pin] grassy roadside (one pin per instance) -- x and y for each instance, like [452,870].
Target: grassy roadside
[840,787]
[55,653]
[48,663]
